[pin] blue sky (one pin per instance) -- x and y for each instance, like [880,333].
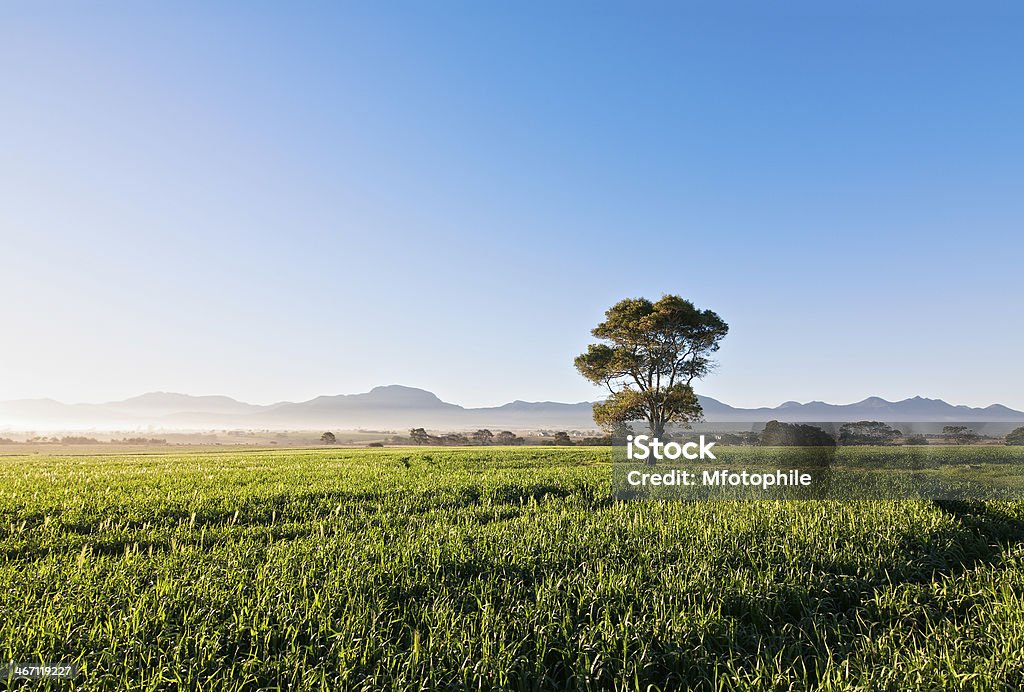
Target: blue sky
[278,201]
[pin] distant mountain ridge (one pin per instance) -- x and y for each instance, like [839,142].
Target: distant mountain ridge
[398,406]
[916,409]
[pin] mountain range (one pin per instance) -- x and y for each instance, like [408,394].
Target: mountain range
[399,407]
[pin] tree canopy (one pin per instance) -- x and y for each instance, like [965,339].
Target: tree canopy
[649,356]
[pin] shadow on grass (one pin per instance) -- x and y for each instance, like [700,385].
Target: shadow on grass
[798,625]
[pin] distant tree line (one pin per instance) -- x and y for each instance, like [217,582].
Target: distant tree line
[484,437]
[873,433]
[481,437]
[775,434]
[83,440]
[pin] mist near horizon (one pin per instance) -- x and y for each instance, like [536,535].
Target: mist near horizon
[397,408]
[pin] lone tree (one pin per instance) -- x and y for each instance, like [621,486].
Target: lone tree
[328,438]
[650,356]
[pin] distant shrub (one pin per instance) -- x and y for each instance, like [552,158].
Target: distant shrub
[419,436]
[868,432]
[375,444]
[915,440]
[815,447]
[483,436]
[742,438]
[1016,437]
[454,439]
[505,437]
[778,434]
[960,435]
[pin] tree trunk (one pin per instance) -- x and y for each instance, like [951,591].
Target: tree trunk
[658,431]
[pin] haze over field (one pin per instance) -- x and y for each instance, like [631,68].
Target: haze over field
[399,407]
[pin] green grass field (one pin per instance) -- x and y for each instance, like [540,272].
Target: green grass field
[493,568]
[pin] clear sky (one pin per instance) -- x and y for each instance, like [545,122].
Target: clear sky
[276,201]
